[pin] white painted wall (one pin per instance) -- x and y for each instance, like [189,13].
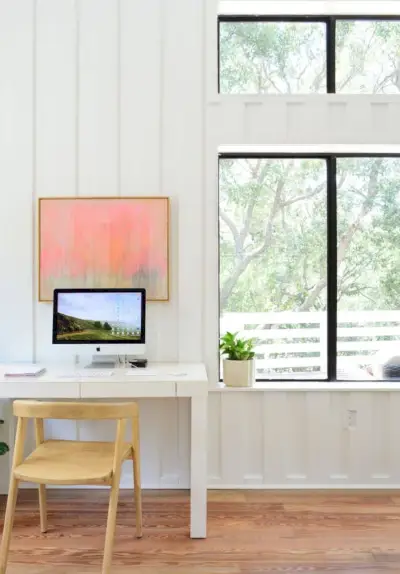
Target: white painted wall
[119,97]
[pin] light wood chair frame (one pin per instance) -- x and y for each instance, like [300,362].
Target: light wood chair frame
[39,411]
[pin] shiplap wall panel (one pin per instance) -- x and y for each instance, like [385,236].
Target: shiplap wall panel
[319,435]
[306,440]
[16,178]
[392,435]
[140,103]
[253,440]
[55,139]
[55,98]
[183,110]
[98,97]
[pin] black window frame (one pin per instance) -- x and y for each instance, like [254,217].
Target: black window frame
[330,23]
[331,259]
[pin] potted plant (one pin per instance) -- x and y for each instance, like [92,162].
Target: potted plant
[238,363]
[3,446]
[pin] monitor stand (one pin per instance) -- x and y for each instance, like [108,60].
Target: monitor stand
[103,362]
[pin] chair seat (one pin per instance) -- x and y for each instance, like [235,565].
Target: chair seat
[70,462]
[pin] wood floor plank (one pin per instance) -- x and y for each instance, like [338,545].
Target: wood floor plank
[249,532]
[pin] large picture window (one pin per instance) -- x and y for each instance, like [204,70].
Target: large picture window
[301,55]
[310,263]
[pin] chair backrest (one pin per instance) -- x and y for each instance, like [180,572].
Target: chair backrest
[75,410]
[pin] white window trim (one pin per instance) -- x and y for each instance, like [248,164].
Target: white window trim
[302,385]
[309,7]
[312,149]
[306,386]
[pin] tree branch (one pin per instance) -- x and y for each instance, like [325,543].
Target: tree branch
[232,228]
[316,191]
[244,261]
[347,237]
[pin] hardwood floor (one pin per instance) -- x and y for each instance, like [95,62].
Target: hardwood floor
[249,532]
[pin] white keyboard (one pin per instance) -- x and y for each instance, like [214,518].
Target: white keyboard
[94,374]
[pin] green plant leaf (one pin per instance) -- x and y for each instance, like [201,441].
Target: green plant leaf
[3,448]
[236,348]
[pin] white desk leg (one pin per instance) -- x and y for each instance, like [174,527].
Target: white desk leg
[198,468]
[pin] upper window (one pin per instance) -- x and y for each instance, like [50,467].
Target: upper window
[302,55]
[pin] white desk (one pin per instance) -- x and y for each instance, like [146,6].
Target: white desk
[169,380]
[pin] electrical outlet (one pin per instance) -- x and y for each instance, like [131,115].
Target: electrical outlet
[351,419]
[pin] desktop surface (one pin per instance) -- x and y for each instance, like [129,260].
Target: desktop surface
[154,372]
[67,382]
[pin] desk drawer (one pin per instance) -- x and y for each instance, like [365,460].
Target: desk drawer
[39,390]
[130,389]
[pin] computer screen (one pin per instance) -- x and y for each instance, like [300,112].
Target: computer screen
[104,316]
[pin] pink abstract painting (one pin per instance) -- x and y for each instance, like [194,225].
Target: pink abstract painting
[103,243]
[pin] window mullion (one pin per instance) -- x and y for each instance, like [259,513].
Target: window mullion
[331,55]
[332,269]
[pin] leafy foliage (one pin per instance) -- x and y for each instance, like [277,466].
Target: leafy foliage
[273,234]
[290,57]
[3,448]
[235,348]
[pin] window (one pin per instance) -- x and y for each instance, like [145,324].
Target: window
[310,263]
[272,57]
[300,55]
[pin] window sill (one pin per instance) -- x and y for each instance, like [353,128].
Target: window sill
[310,386]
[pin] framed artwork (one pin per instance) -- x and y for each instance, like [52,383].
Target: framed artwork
[104,242]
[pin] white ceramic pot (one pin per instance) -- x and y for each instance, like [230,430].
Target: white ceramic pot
[239,373]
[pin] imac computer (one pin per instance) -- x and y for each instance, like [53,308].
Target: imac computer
[105,322]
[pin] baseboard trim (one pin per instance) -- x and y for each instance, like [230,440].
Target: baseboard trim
[294,486]
[157,486]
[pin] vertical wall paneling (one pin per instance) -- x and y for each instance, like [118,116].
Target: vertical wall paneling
[380,447]
[56,37]
[296,446]
[339,454]
[140,88]
[211,48]
[233,419]
[214,438]
[360,437]
[98,101]
[210,279]
[392,438]
[253,439]
[273,433]
[336,118]
[55,133]
[16,178]
[182,158]
[169,428]
[319,436]
[183,441]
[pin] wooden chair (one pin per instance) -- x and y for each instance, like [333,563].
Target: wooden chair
[73,462]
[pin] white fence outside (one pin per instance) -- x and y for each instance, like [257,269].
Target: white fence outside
[294,344]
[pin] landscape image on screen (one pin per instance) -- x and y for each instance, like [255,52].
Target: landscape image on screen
[98,317]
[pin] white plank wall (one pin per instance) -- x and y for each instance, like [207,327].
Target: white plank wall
[119,97]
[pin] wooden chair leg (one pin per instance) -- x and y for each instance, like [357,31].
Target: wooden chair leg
[39,435]
[111,523]
[43,508]
[8,524]
[138,494]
